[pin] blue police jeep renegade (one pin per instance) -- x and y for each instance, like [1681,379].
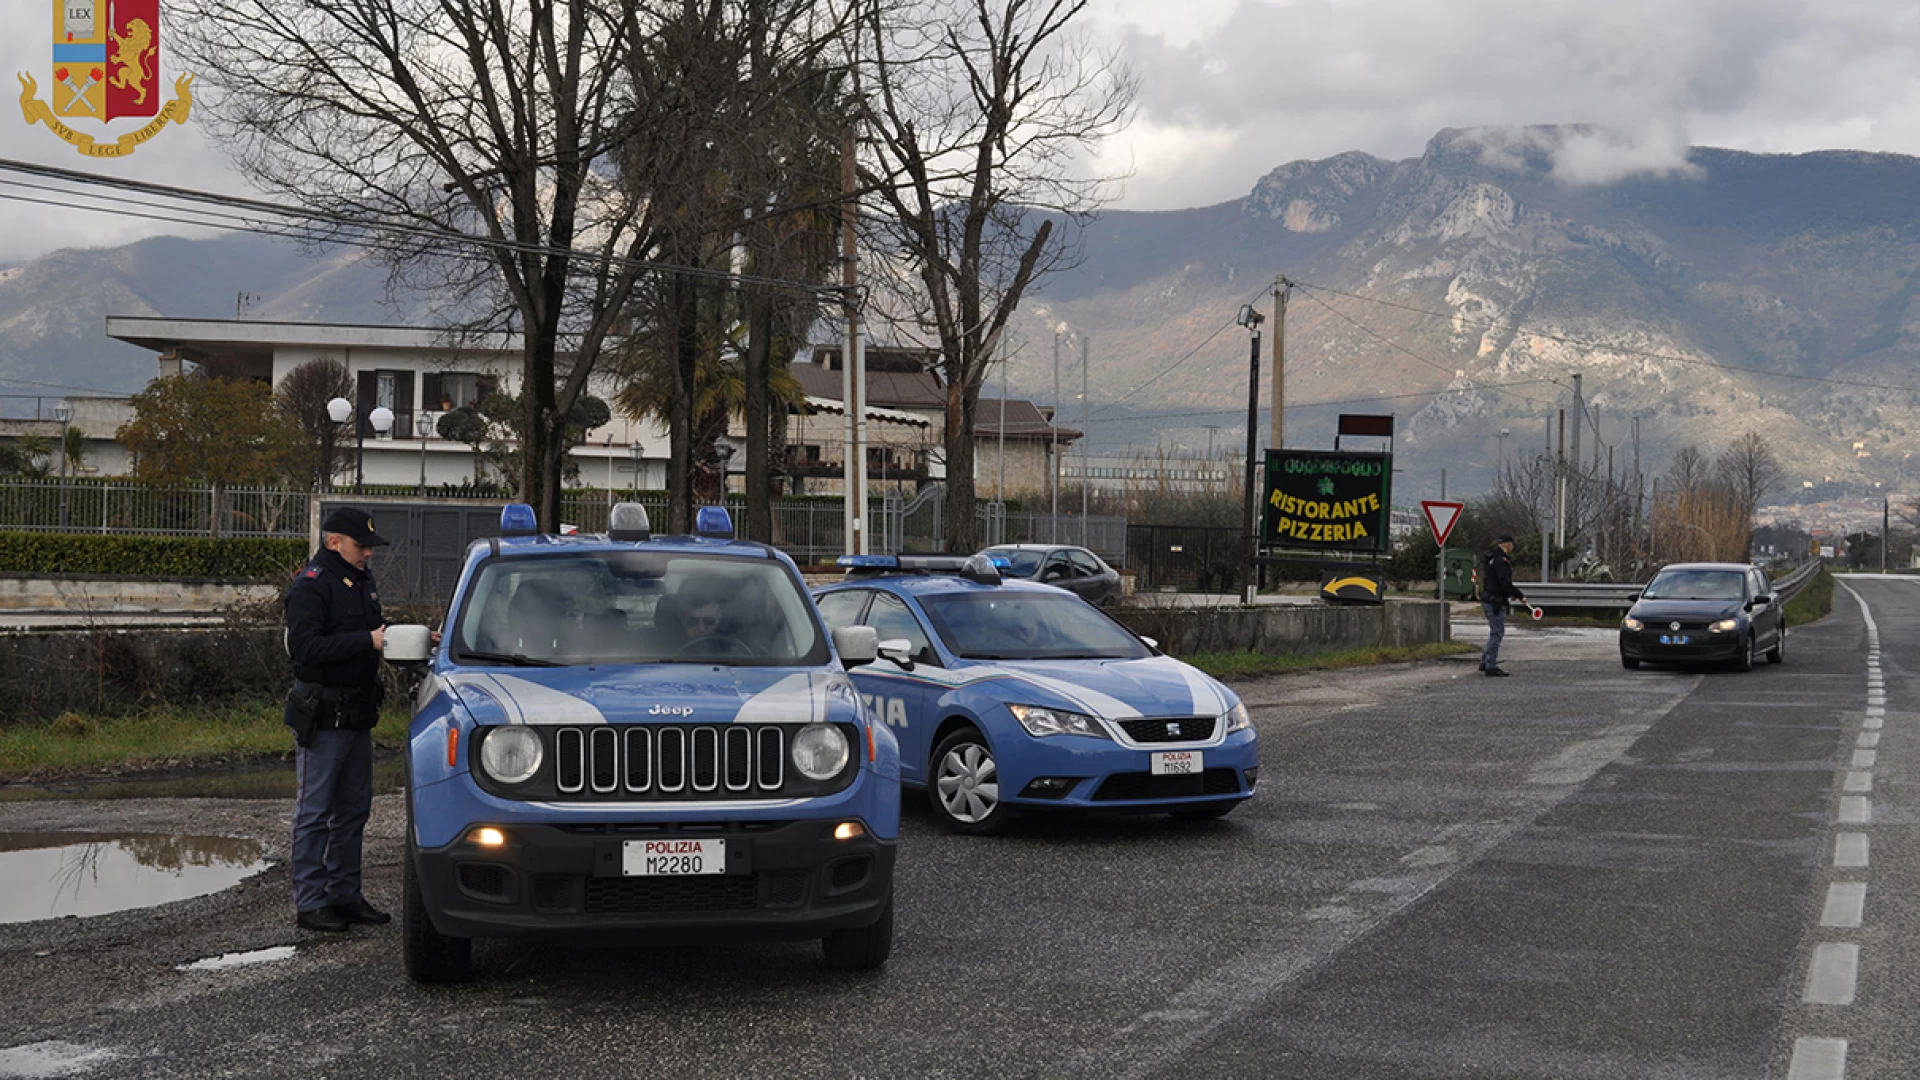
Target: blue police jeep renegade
[629,737]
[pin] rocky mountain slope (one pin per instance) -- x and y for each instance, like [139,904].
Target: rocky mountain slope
[1732,292]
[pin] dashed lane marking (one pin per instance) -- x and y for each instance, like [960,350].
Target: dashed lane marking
[1846,905]
[1855,810]
[1868,738]
[1831,976]
[1864,759]
[1818,1059]
[1858,780]
[1850,850]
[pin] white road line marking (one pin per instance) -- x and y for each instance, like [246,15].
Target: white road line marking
[1855,810]
[1858,780]
[1869,738]
[1846,905]
[1831,976]
[1818,1059]
[1850,850]
[1876,699]
[1864,759]
[1872,723]
[1876,710]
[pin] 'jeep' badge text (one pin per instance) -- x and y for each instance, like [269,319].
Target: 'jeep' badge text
[671,710]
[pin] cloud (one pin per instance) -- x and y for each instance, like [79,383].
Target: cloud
[1260,84]
[1583,154]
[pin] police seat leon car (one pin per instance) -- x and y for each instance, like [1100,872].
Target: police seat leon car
[630,737]
[1014,696]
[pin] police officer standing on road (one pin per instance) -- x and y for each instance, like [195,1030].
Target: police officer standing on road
[1496,591]
[334,635]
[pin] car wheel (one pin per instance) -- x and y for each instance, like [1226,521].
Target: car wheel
[1744,661]
[1630,663]
[965,788]
[431,957]
[1778,654]
[1206,811]
[862,948]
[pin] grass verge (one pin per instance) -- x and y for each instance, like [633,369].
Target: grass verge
[1247,664]
[1814,602]
[164,737]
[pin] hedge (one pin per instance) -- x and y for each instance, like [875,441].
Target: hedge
[246,558]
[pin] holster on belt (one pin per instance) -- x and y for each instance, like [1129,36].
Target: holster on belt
[303,711]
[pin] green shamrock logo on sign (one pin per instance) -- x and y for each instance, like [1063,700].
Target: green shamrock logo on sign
[1326,486]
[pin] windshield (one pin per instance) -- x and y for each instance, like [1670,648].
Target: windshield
[1028,626]
[1019,563]
[1697,585]
[636,607]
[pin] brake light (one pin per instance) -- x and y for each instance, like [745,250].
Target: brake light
[453,747]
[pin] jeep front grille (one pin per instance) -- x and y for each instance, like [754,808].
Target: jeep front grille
[669,761]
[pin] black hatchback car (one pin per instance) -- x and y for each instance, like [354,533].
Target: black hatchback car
[1701,613]
[1074,569]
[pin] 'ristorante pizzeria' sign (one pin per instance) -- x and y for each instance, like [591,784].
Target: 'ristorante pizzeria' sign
[1327,499]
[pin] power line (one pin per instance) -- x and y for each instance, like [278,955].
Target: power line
[1494,387]
[1170,368]
[1597,346]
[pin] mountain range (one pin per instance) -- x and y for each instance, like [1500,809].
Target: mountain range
[1459,290]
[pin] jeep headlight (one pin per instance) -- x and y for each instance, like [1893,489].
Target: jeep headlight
[1725,625]
[820,751]
[1237,719]
[1041,722]
[511,755]
[1632,623]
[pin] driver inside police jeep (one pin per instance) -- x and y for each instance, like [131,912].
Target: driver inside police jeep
[335,633]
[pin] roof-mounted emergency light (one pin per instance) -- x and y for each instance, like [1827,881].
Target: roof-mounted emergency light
[628,521]
[518,519]
[714,523]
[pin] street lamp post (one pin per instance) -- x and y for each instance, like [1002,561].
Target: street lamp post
[340,410]
[423,426]
[635,452]
[1251,319]
[723,449]
[63,412]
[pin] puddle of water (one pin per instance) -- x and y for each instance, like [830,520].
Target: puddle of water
[54,875]
[54,1058]
[250,782]
[229,961]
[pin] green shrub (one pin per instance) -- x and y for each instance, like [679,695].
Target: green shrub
[234,558]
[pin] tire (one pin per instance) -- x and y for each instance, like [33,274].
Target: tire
[431,957]
[863,948]
[973,809]
[1778,654]
[1206,811]
[1630,663]
[1744,661]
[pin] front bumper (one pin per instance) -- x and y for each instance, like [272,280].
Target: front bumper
[1104,775]
[784,880]
[1702,646]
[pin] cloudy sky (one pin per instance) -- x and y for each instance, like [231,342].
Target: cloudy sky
[1232,88]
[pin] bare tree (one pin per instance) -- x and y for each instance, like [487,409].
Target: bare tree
[410,122]
[1749,470]
[302,398]
[1688,470]
[980,112]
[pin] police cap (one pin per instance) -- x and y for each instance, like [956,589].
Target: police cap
[355,525]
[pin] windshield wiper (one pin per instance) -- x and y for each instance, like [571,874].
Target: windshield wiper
[516,659]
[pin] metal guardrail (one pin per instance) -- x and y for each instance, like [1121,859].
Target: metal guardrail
[1573,594]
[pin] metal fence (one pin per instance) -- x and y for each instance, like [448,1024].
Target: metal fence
[126,507]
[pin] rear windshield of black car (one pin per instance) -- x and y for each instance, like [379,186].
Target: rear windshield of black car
[1028,626]
[1020,563]
[1697,585]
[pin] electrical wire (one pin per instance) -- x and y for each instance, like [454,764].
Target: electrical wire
[1170,368]
[1495,387]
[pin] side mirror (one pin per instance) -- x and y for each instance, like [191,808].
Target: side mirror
[409,643]
[898,650]
[856,645]
[1151,644]
[1763,598]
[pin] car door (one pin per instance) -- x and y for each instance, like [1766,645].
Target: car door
[1058,570]
[1092,583]
[902,696]
[1766,617]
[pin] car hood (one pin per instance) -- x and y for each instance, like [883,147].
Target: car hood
[1117,689]
[1655,610]
[659,693]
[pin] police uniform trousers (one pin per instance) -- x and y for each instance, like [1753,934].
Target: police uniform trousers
[330,807]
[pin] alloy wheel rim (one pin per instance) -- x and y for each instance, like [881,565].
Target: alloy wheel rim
[968,783]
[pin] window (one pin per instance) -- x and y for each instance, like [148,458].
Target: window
[1696,585]
[842,608]
[1020,563]
[444,391]
[1084,562]
[1028,625]
[1058,568]
[890,619]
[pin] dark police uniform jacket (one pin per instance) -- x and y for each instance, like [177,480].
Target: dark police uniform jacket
[1496,579]
[331,608]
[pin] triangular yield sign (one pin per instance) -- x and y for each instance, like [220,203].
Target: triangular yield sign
[1441,517]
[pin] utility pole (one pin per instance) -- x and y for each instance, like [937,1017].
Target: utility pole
[1086,434]
[1281,287]
[1053,438]
[1560,482]
[853,374]
[1885,538]
[1251,319]
[1579,420]
[1000,487]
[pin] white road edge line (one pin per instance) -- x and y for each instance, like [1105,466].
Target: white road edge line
[1864,759]
[1818,1059]
[1833,973]
[1868,738]
[1857,780]
[1846,905]
[1855,810]
[1850,850]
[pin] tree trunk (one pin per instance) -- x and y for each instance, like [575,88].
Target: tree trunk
[539,470]
[759,348]
[962,538]
[684,340]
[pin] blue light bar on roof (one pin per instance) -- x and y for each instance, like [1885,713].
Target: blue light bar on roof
[714,523]
[517,519]
[868,562]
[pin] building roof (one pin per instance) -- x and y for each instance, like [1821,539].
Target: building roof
[1024,420]
[885,416]
[888,389]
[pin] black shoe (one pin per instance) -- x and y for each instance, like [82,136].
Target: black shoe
[326,920]
[1493,671]
[359,911]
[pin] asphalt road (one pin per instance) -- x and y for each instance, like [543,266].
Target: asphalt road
[1576,872]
